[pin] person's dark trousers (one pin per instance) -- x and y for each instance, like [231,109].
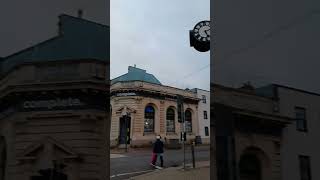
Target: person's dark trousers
[161,159]
[154,160]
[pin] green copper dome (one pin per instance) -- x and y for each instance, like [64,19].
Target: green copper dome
[77,39]
[136,74]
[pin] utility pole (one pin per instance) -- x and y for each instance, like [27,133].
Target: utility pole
[193,157]
[184,141]
[181,120]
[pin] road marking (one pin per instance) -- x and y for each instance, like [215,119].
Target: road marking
[129,173]
[117,156]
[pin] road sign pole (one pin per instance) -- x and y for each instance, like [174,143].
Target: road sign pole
[193,157]
[183,137]
[181,120]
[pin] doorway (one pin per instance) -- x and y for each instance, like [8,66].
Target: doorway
[124,135]
[250,167]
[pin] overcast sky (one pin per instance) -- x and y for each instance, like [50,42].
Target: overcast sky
[26,23]
[267,41]
[154,35]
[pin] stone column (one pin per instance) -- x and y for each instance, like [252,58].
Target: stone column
[162,118]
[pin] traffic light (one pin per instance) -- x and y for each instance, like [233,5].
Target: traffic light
[179,114]
[180,108]
[183,136]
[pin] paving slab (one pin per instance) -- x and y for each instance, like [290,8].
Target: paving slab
[201,172]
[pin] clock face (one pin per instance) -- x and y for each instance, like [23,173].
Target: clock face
[202,31]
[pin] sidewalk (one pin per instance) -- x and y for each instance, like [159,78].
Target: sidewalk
[149,149]
[201,172]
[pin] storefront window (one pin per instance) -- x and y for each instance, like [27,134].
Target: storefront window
[188,121]
[149,115]
[170,120]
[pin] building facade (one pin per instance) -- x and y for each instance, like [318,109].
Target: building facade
[52,106]
[203,114]
[248,135]
[300,152]
[142,108]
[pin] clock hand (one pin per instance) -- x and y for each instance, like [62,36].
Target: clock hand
[207,32]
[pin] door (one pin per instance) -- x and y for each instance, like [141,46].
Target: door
[250,167]
[125,124]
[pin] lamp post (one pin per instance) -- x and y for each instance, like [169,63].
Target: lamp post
[199,40]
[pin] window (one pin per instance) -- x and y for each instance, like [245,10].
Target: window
[305,170]
[205,115]
[301,122]
[206,131]
[204,100]
[149,115]
[170,120]
[188,121]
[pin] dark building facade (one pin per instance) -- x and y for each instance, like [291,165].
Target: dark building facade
[53,110]
[248,135]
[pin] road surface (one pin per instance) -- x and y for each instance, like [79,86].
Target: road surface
[136,162]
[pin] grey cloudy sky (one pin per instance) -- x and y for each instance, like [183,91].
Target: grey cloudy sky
[154,35]
[267,41]
[26,23]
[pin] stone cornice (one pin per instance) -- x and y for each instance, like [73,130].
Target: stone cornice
[151,87]
[152,94]
[67,61]
[144,89]
[30,88]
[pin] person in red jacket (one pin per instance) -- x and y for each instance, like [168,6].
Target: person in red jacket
[157,151]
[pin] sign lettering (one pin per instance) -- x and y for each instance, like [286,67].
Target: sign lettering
[50,104]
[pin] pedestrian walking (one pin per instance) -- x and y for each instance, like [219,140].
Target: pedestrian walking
[157,151]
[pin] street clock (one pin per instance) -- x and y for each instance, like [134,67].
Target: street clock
[200,36]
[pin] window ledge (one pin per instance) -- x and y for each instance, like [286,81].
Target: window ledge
[149,133]
[171,133]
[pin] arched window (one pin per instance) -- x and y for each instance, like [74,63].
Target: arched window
[149,116]
[188,120]
[170,120]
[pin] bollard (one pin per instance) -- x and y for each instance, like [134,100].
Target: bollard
[193,158]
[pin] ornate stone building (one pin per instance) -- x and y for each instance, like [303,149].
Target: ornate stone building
[142,108]
[52,106]
[248,135]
